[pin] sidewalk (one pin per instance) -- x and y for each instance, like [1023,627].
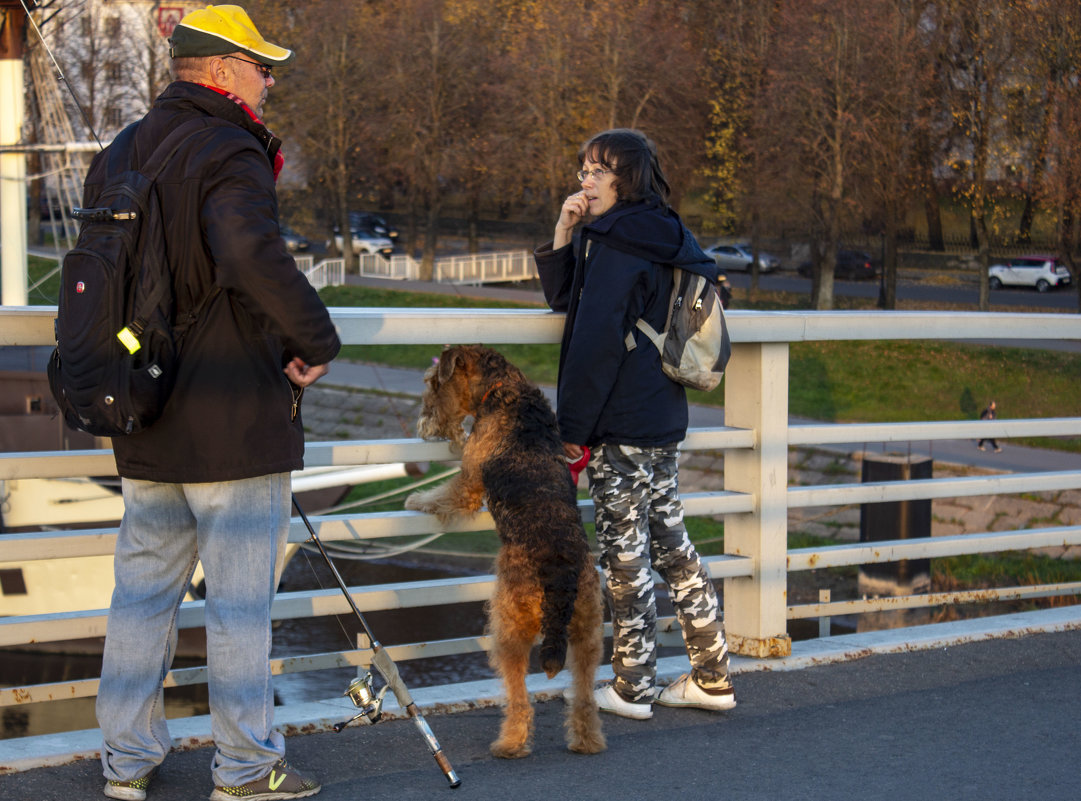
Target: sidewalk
[982,709]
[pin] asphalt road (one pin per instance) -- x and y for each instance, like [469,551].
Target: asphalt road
[912,288]
[981,721]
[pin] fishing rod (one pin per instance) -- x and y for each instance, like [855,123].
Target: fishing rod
[360,689]
[59,72]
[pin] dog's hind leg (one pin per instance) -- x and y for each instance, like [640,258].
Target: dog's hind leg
[513,621]
[582,721]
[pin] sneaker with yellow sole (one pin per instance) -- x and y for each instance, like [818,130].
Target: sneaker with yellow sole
[282,782]
[131,790]
[686,692]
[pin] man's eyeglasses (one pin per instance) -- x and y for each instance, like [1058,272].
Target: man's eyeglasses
[600,172]
[263,68]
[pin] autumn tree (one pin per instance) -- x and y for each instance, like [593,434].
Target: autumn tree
[433,67]
[645,73]
[898,117]
[982,62]
[818,120]
[737,73]
[324,108]
[550,99]
[1060,189]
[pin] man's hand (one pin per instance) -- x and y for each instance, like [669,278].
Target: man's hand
[303,374]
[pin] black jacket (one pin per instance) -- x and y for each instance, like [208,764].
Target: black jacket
[231,415]
[611,275]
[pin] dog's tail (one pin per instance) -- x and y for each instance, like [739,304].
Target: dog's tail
[559,579]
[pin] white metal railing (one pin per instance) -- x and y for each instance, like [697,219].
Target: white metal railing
[328,272]
[471,268]
[755,498]
[399,266]
[479,268]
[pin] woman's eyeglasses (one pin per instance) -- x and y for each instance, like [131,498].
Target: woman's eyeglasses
[600,172]
[263,68]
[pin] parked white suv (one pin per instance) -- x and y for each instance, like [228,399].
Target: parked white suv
[1042,272]
[365,242]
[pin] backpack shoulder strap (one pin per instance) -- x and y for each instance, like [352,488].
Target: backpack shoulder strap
[168,147]
[152,168]
[657,337]
[121,150]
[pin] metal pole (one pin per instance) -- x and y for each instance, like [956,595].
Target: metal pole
[13,264]
[385,665]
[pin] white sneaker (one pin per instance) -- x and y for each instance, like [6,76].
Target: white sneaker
[685,692]
[610,701]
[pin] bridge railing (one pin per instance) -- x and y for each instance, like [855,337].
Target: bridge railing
[754,499]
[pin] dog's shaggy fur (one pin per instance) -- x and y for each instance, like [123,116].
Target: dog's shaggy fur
[546,582]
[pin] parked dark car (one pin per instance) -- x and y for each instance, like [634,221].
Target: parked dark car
[294,242]
[851,265]
[372,223]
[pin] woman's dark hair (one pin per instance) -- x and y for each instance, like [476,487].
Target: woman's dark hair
[632,156]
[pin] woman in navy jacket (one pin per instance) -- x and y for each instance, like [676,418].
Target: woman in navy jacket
[614,400]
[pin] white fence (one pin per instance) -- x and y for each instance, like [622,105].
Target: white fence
[329,272]
[754,500]
[472,268]
[480,268]
[399,267]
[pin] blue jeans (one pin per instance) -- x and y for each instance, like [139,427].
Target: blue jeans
[239,530]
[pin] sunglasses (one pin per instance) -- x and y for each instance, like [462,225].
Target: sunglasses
[263,68]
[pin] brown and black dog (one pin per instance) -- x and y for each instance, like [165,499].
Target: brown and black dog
[546,582]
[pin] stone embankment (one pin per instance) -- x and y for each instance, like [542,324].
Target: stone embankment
[332,413]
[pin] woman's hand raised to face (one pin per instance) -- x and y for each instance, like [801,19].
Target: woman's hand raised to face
[574,209]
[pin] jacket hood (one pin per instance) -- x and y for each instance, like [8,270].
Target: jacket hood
[651,231]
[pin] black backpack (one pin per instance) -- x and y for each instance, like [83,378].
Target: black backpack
[117,342]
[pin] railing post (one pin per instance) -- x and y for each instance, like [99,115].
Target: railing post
[756,397]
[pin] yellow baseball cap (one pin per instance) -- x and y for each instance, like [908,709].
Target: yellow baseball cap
[218,30]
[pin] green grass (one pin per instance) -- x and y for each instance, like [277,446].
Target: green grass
[539,362]
[1003,569]
[49,291]
[856,381]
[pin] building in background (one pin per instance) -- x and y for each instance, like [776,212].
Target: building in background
[114,54]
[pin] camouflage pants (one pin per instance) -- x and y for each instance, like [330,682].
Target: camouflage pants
[639,519]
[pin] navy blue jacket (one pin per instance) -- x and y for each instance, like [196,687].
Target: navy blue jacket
[613,273]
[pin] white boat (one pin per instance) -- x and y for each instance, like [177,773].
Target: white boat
[86,582]
[81,583]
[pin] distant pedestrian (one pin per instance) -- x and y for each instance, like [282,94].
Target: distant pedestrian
[724,289]
[988,414]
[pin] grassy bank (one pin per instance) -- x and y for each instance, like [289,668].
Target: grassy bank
[831,381]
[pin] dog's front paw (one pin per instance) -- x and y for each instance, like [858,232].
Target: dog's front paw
[421,502]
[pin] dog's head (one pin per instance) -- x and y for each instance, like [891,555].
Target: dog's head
[456,387]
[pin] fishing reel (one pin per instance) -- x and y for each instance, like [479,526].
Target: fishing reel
[363,695]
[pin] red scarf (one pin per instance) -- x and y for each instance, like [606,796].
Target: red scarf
[279,159]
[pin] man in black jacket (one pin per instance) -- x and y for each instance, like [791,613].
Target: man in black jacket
[210,479]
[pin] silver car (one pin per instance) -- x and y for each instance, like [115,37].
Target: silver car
[365,242]
[738,257]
